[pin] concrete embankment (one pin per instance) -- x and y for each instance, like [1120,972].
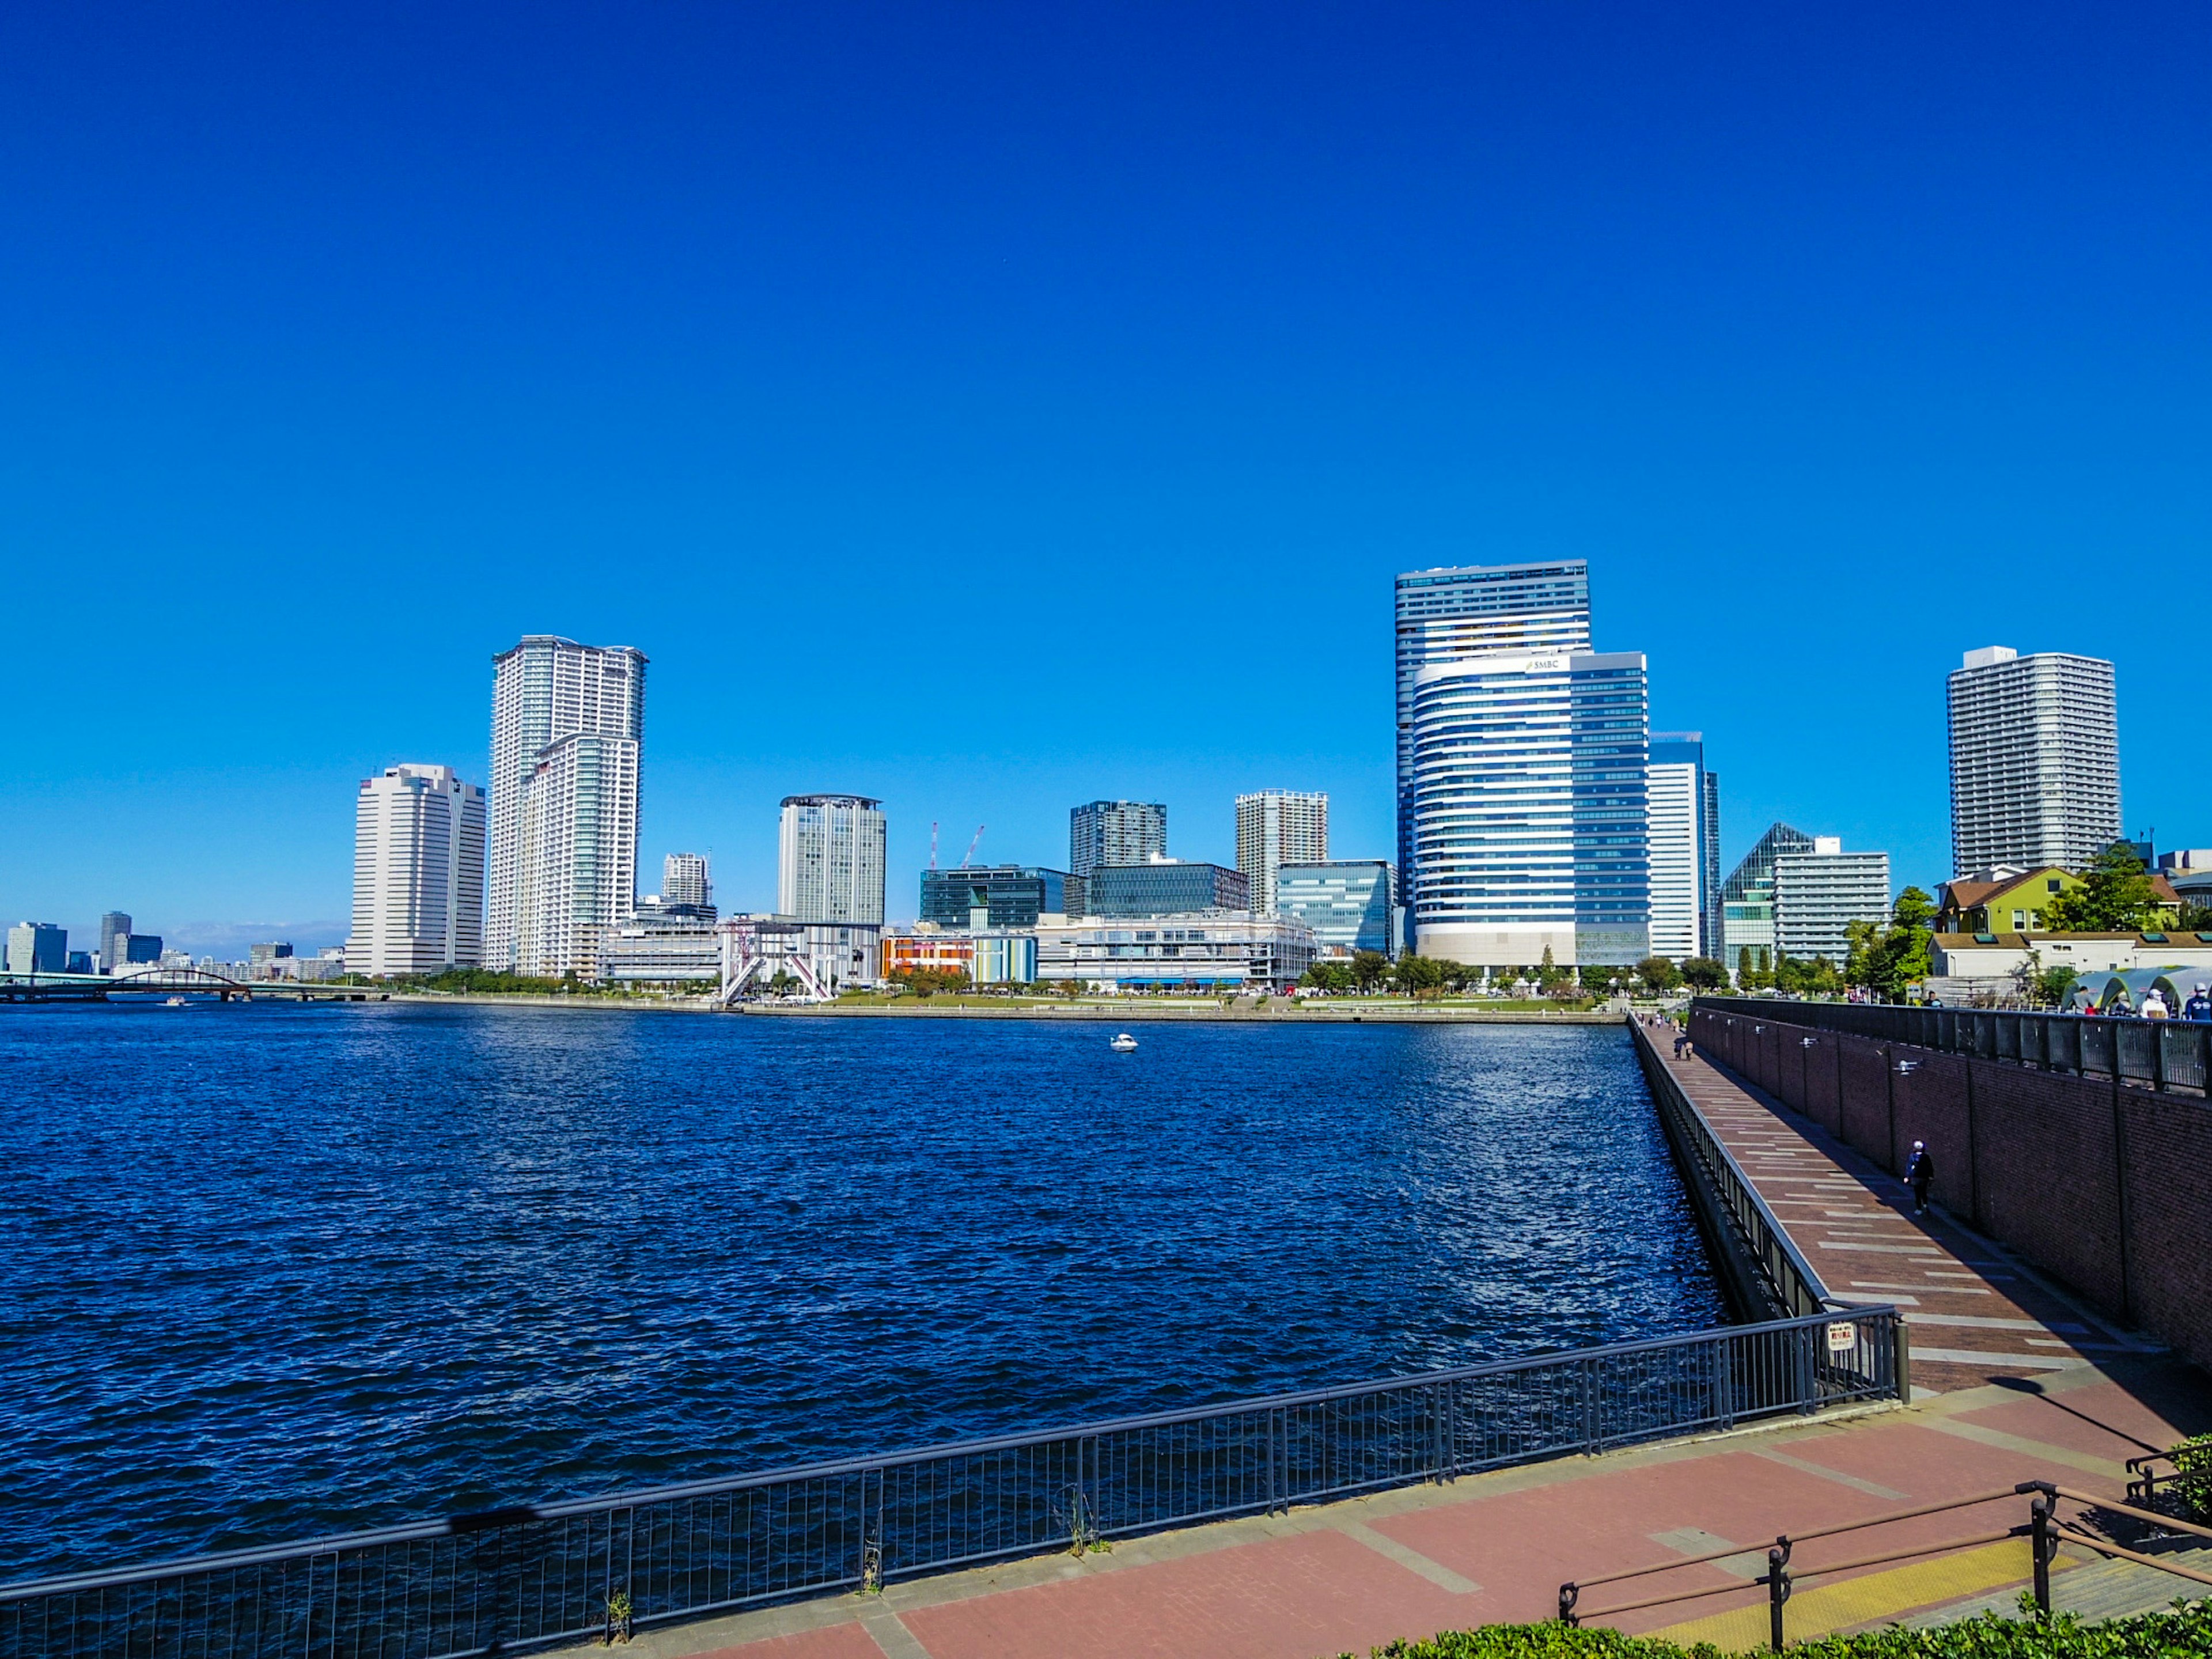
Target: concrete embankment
[1125,1013]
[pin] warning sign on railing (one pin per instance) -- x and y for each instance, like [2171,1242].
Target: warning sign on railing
[1842,1338]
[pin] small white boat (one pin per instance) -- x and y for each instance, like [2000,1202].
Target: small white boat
[1123,1044]
[174,1002]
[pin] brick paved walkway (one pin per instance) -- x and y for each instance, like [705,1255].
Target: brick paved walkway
[2012,1383]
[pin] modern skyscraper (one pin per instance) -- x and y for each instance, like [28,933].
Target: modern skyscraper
[1820,891]
[685,882]
[418,873]
[829,862]
[2035,760]
[1275,827]
[115,925]
[1350,905]
[1450,615]
[1116,832]
[1164,888]
[38,947]
[1528,810]
[567,723]
[1747,900]
[1006,895]
[1675,791]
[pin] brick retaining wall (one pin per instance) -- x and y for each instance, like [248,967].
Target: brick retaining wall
[2105,1187]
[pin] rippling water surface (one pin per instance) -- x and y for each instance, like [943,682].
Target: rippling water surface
[272,1271]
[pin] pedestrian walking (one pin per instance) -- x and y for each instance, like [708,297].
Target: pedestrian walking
[2155,1005]
[1681,1041]
[1920,1171]
[2199,1006]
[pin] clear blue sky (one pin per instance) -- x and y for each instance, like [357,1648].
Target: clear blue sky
[991,407]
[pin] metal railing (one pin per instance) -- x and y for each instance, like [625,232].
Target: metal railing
[2043,1529]
[1792,1288]
[524,1578]
[2158,1054]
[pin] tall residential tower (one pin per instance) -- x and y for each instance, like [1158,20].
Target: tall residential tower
[830,858]
[2035,760]
[1276,827]
[1676,793]
[1116,832]
[566,723]
[418,873]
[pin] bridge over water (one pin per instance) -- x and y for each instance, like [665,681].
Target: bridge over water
[169,983]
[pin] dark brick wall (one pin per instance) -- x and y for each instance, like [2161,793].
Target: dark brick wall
[2034,1158]
[2167,1143]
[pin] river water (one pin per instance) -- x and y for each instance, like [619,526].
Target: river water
[270,1271]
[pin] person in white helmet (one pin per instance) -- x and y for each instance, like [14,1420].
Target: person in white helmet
[1920,1171]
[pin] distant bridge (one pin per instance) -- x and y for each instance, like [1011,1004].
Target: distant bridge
[173,982]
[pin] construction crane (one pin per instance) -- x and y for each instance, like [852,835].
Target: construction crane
[973,845]
[932,843]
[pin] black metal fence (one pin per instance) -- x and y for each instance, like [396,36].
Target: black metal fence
[2158,1054]
[1791,1287]
[519,1578]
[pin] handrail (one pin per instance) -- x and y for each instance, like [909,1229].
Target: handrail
[1795,1287]
[506,1580]
[2042,1528]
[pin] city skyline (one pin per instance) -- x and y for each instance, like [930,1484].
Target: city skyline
[1796,332]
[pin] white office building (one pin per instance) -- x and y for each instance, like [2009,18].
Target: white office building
[1818,891]
[1209,951]
[1450,615]
[1276,827]
[829,859]
[2035,760]
[1528,810]
[568,723]
[1675,810]
[419,874]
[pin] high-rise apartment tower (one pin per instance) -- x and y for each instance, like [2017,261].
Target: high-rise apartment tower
[2035,760]
[830,858]
[685,882]
[1448,615]
[1116,832]
[566,723]
[418,873]
[1276,827]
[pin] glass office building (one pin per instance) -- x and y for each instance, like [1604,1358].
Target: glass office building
[1675,817]
[1350,905]
[1529,811]
[1164,889]
[1010,895]
[1747,900]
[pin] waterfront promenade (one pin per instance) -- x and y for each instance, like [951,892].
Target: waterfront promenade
[2013,1381]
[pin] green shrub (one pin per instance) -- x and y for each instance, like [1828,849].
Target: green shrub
[2193,1458]
[2186,1630]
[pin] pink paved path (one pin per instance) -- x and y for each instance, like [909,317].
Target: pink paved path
[2013,1383]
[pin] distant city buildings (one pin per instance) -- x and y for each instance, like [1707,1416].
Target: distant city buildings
[1164,888]
[1116,832]
[819,959]
[1529,801]
[1350,904]
[275,951]
[1275,827]
[1451,615]
[419,874]
[1818,891]
[38,947]
[1002,895]
[988,956]
[115,925]
[568,723]
[2035,770]
[831,858]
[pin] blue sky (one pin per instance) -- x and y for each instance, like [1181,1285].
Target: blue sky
[991,407]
